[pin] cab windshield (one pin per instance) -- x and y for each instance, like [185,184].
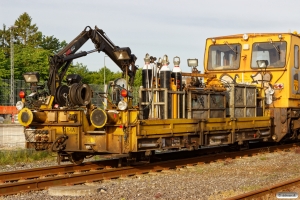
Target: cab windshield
[273,52]
[224,57]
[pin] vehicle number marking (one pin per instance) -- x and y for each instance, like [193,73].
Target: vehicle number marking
[71,130]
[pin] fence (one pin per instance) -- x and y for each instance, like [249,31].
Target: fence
[5,91]
[21,85]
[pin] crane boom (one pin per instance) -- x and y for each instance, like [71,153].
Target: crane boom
[60,62]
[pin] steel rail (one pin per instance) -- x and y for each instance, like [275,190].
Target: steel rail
[267,190]
[89,176]
[53,170]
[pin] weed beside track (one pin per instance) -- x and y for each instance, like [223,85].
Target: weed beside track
[9,157]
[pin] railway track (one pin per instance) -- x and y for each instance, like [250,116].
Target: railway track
[42,178]
[273,191]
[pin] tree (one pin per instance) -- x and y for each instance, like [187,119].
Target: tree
[81,70]
[27,33]
[4,64]
[109,76]
[29,59]
[51,43]
[4,37]
[138,78]
[31,52]
[31,48]
[116,75]
[5,41]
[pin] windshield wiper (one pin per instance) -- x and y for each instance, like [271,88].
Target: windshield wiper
[235,51]
[277,49]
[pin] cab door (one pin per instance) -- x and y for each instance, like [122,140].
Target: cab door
[295,72]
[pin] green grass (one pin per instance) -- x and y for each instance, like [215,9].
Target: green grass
[263,158]
[7,121]
[199,170]
[250,188]
[23,155]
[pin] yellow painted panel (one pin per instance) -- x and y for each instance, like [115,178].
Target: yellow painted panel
[72,130]
[170,126]
[118,131]
[281,97]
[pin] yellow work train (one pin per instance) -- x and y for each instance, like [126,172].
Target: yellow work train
[270,61]
[248,92]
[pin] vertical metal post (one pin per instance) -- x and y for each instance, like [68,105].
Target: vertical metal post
[166,102]
[105,88]
[189,105]
[183,105]
[104,70]
[12,75]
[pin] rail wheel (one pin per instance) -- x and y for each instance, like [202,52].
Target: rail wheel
[76,158]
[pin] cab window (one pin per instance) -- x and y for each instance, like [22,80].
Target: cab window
[273,52]
[296,56]
[224,57]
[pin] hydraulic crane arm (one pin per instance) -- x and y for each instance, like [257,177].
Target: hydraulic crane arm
[60,62]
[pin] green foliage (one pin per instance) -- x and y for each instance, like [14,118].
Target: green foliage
[30,59]
[4,63]
[26,33]
[26,59]
[93,77]
[81,70]
[52,44]
[4,53]
[138,78]
[5,93]
[109,76]
[4,37]
[32,50]
[115,76]
[22,155]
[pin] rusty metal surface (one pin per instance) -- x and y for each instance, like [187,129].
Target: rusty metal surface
[97,175]
[267,190]
[53,170]
[280,122]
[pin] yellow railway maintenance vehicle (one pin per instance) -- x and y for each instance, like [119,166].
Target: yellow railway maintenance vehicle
[270,61]
[245,94]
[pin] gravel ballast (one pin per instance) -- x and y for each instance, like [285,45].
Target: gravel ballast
[217,180]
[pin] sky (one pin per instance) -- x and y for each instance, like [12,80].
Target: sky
[158,27]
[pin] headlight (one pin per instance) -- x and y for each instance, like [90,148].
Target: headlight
[192,62]
[19,105]
[31,77]
[122,105]
[262,63]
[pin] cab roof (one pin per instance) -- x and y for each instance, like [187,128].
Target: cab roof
[255,35]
